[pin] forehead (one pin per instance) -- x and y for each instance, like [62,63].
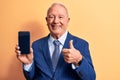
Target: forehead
[57,9]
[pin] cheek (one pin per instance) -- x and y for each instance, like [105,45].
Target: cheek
[65,23]
[49,21]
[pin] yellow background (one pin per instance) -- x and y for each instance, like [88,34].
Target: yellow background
[97,21]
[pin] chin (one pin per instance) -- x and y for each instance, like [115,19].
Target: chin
[56,33]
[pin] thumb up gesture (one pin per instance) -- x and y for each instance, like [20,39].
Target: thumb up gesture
[72,55]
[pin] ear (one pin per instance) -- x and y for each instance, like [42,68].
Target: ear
[68,19]
[46,18]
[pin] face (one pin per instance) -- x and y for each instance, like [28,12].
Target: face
[57,21]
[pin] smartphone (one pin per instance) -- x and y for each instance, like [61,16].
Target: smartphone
[24,41]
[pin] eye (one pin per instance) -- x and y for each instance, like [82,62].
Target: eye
[61,17]
[50,16]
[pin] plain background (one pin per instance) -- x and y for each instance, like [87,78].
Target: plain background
[97,21]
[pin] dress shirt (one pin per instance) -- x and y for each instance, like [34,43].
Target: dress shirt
[61,40]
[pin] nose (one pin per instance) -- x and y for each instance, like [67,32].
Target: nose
[56,20]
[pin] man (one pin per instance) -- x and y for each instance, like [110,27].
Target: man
[72,60]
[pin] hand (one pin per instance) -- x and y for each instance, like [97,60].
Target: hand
[24,58]
[72,55]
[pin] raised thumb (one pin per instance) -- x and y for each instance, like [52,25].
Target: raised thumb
[71,44]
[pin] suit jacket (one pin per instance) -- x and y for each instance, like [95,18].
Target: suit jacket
[42,66]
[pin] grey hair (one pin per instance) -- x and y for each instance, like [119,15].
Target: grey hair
[60,4]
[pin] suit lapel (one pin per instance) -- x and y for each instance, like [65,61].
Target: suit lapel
[66,44]
[46,53]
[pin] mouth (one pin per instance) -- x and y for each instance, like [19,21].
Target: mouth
[55,26]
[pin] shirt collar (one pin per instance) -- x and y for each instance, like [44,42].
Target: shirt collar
[61,39]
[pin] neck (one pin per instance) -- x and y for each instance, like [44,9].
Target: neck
[56,36]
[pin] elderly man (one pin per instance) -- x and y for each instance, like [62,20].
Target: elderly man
[60,55]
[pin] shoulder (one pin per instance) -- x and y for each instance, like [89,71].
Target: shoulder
[80,43]
[78,40]
[41,41]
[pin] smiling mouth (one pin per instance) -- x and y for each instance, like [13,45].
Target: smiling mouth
[56,26]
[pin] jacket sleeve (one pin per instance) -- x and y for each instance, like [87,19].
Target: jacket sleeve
[86,70]
[29,75]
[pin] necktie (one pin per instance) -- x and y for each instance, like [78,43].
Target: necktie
[55,55]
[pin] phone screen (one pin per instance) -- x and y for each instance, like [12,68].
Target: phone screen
[24,41]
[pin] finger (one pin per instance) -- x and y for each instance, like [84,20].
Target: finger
[67,60]
[31,50]
[65,51]
[31,53]
[16,44]
[71,44]
[18,53]
[17,47]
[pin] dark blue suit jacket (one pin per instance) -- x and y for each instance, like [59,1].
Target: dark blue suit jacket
[42,65]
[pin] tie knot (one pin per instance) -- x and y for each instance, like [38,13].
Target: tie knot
[56,43]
